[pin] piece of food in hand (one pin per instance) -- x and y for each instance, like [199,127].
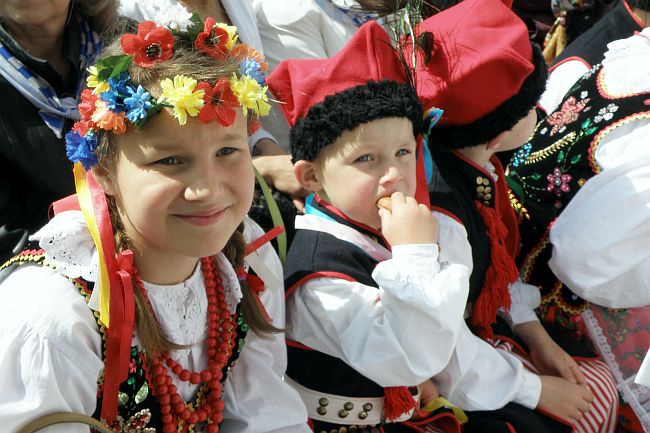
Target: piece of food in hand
[385,203]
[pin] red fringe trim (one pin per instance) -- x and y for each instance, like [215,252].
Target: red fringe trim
[501,272]
[398,400]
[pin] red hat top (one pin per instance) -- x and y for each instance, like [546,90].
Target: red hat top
[471,60]
[364,81]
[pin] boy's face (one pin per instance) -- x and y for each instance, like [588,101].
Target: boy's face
[367,163]
[520,133]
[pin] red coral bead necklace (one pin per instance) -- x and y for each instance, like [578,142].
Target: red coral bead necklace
[219,344]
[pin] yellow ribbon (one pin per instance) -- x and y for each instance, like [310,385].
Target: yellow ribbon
[84,196]
[441,402]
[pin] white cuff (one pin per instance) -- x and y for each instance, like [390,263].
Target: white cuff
[530,390]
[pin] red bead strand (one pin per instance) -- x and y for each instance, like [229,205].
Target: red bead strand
[219,345]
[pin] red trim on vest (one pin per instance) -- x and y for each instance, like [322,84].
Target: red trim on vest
[569,59]
[511,429]
[320,274]
[266,237]
[294,343]
[636,19]
[449,214]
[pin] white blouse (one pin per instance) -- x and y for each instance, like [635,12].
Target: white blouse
[408,327]
[50,347]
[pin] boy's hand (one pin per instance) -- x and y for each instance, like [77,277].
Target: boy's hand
[564,399]
[547,356]
[428,392]
[408,222]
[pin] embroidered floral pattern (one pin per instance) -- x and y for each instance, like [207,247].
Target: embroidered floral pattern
[606,113]
[521,155]
[566,115]
[558,182]
[135,424]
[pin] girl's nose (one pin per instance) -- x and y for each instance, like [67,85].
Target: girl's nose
[204,184]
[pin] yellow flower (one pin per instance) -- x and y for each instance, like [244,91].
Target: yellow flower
[182,97]
[93,83]
[232,34]
[250,94]
[92,77]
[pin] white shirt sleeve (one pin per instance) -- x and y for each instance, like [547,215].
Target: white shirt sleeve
[524,299]
[478,376]
[399,335]
[481,377]
[560,80]
[50,350]
[600,240]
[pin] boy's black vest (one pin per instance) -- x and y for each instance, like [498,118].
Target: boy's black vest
[137,408]
[564,143]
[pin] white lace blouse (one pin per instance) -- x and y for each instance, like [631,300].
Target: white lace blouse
[50,347]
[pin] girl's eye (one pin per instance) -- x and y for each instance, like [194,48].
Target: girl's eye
[170,160]
[226,151]
[364,158]
[402,152]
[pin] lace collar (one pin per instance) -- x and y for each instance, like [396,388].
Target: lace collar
[69,247]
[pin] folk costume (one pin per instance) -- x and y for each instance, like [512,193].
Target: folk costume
[493,58]
[581,186]
[587,50]
[72,346]
[365,323]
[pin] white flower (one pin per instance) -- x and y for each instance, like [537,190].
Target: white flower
[583,94]
[173,16]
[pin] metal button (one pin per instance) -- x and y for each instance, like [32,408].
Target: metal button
[321,410]
[323,401]
[343,413]
[367,407]
[363,415]
[348,405]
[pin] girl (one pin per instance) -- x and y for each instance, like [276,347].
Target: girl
[141,311]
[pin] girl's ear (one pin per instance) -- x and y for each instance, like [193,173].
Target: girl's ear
[305,172]
[104,179]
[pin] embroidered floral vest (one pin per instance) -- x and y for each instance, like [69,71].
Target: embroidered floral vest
[550,169]
[138,410]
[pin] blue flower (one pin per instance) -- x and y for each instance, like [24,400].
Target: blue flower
[81,148]
[137,104]
[119,84]
[113,100]
[253,69]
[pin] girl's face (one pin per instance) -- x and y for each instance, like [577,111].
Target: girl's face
[181,191]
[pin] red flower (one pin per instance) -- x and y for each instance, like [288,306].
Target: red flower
[212,40]
[82,126]
[87,105]
[218,103]
[152,44]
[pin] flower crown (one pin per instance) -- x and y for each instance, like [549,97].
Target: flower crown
[112,100]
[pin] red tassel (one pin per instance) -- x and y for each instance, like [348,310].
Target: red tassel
[501,272]
[398,400]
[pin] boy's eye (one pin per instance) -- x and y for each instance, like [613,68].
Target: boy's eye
[226,151]
[402,152]
[170,160]
[364,158]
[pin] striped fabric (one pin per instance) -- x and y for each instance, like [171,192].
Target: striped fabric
[604,409]
[52,109]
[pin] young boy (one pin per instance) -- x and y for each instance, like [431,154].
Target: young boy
[366,322]
[480,68]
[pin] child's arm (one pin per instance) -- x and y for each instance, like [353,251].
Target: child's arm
[401,334]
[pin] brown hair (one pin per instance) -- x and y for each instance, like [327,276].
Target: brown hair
[188,62]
